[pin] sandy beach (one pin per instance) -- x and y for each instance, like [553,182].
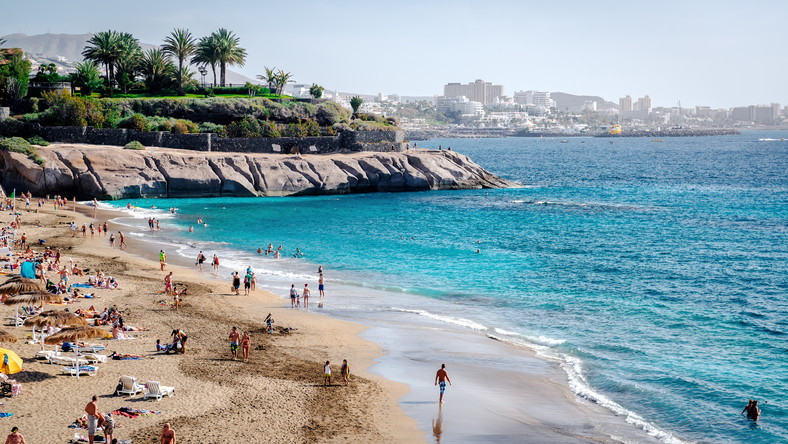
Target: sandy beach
[278,396]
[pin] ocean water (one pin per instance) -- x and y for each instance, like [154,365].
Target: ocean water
[656,273]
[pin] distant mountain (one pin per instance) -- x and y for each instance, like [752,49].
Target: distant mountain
[573,103]
[66,49]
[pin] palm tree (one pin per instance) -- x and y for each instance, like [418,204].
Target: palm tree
[270,78]
[355,103]
[105,48]
[157,69]
[281,80]
[87,77]
[227,51]
[206,54]
[127,65]
[181,45]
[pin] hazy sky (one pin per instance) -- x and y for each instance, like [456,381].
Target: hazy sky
[717,53]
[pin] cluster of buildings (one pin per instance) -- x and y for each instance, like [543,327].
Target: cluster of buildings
[484,104]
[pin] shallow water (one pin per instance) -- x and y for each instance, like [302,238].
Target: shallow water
[655,272]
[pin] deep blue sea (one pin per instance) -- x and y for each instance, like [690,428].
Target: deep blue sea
[656,272]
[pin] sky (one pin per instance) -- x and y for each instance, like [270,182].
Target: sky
[709,53]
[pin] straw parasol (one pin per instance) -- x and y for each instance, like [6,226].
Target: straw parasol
[74,334]
[53,317]
[33,298]
[18,284]
[7,337]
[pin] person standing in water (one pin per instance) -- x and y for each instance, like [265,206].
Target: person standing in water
[441,378]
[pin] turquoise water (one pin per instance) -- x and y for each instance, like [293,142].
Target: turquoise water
[656,272]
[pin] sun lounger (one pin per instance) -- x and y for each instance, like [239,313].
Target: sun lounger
[93,358]
[46,354]
[130,386]
[158,391]
[89,370]
[66,360]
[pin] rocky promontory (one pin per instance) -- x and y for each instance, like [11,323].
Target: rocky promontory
[108,172]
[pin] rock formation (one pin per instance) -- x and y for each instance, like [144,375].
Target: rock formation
[106,172]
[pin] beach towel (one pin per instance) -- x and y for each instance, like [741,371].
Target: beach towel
[5,415]
[82,285]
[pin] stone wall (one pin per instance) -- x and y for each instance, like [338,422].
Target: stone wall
[378,141]
[5,112]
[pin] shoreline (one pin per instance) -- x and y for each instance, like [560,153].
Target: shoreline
[588,421]
[285,375]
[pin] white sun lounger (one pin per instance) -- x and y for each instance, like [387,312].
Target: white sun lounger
[130,386]
[66,360]
[158,391]
[89,370]
[93,358]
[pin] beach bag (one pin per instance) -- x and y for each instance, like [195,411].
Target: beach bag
[118,388]
[178,345]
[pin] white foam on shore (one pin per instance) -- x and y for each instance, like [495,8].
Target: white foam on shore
[573,367]
[462,322]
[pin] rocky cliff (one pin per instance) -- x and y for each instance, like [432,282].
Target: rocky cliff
[105,172]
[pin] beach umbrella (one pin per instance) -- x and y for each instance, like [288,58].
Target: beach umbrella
[34,298]
[11,363]
[75,334]
[18,284]
[7,337]
[53,317]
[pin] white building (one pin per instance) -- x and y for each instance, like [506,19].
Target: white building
[461,104]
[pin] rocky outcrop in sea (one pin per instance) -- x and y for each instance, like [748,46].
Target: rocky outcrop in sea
[105,172]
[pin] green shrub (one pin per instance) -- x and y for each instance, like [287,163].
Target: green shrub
[34,104]
[16,145]
[30,118]
[37,140]
[246,127]
[11,127]
[270,129]
[208,127]
[134,145]
[183,126]
[136,122]
[20,145]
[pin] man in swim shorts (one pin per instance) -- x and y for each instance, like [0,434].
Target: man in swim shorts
[441,378]
[320,286]
[93,413]
[234,337]
[167,435]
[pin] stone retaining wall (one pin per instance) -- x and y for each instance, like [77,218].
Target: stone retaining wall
[378,141]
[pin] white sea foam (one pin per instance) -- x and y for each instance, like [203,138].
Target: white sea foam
[462,322]
[579,385]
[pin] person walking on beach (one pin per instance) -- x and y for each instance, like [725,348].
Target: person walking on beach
[293,295]
[215,263]
[93,413]
[441,378]
[168,284]
[327,373]
[105,229]
[122,240]
[15,437]
[162,259]
[345,371]
[320,286]
[246,342]
[168,435]
[234,337]
[236,283]
[247,282]
[306,296]
[200,259]
[112,240]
